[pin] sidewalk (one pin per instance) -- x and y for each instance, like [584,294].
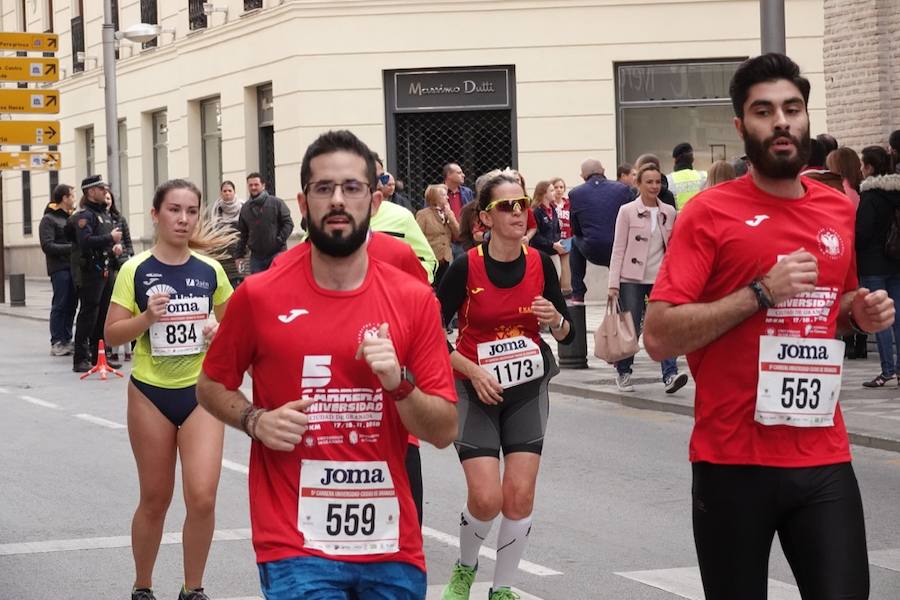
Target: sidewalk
[872,416]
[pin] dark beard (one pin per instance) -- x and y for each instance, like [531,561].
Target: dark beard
[773,166]
[339,245]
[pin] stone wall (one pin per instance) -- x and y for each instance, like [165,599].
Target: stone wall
[862,70]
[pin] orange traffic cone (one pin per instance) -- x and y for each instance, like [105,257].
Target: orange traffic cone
[102,366]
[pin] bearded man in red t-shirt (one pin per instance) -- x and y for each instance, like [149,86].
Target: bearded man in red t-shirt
[758,279]
[331,335]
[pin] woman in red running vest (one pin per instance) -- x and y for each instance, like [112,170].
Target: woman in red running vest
[505,293]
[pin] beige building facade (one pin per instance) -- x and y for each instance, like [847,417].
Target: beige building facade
[535,84]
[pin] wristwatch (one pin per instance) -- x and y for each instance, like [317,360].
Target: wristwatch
[403,390]
[761,298]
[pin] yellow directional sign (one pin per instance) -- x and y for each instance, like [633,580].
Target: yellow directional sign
[34,42]
[41,133]
[29,69]
[29,161]
[29,101]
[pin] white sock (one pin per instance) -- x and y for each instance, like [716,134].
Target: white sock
[471,535]
[510,546]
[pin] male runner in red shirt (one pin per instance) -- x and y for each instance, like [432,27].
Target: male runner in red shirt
[330,335]
[758,278]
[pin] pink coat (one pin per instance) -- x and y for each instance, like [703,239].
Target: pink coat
[631,246]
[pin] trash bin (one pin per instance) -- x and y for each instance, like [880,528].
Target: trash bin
[17,289]
[574,356]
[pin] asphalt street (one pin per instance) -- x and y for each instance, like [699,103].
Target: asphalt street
[612,517]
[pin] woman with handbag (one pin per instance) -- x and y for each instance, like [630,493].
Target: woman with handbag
[643,228]
[504,293]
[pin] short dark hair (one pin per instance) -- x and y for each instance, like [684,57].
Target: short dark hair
[60,191]
[894,141]
[817,154]
[175,184]
[445,170]
[877,158]
[256,175]
[623,169]
[829,141]
[227,182]
[335,141]
[766,67]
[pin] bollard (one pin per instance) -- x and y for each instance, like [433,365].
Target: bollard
[574,356]
[17,289]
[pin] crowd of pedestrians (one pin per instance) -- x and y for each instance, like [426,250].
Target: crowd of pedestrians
[725,264]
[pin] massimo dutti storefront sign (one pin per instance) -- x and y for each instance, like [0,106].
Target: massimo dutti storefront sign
[452,89]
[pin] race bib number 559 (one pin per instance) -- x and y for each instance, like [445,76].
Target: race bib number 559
[799,381]
[348,508]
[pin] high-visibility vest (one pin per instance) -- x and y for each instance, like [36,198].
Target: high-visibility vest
[685,184]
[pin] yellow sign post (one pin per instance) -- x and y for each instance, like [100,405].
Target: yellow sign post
[29,69]
[29,161]
[29,101]
[40,133]
[29,42]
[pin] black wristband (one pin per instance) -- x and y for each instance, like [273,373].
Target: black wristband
[761,298]
[855,326]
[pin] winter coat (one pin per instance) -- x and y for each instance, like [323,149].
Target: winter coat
[54,242]
[879,198]
[265,224]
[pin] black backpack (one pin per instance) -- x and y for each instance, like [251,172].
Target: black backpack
[892,242]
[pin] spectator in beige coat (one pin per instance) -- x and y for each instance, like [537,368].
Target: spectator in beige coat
[440,227]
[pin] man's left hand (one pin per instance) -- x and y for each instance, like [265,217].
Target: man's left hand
[381,357]
[872,311]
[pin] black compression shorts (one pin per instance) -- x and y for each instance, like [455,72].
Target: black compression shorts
[517,424]
[816,511]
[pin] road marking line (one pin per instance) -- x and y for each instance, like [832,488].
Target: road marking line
[479,590]
[4,391]
[99,421]
[233,466]
[452,540]
[886,559]
[446,538]
[39,402]
[686,583]
[101,543]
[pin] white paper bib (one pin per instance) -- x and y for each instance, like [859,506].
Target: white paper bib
[799,381]
[512,361]
[180,330]
[348,508]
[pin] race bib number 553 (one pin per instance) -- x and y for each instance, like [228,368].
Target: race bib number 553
[348,508]
[799,381]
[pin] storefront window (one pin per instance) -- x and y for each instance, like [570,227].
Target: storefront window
[662,105]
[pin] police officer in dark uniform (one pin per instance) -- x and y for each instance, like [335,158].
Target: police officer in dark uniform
[93,235]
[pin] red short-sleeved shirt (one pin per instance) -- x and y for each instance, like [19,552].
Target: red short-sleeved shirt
[724,238]
[301,341]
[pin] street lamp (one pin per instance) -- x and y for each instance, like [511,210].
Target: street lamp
[140,33]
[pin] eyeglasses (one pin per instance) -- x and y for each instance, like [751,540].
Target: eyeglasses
[324,190]
[509,204]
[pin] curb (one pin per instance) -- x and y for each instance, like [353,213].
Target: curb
[857,439]
[17,315]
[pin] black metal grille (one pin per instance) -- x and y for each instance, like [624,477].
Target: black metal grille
[267,156]
[149,15]
[252,4]
[478,141]
[77,44]
[196,16]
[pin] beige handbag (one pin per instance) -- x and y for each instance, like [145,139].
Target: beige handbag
[616,338]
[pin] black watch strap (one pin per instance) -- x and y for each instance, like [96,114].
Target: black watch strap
[761,298]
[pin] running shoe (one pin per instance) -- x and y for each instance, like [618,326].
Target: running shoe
[195,594]
[623,382]
[880,380]
[59,349]
[82,366]
[675,382]
[461,580]
[503,593]
[142,594]
[114,364]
